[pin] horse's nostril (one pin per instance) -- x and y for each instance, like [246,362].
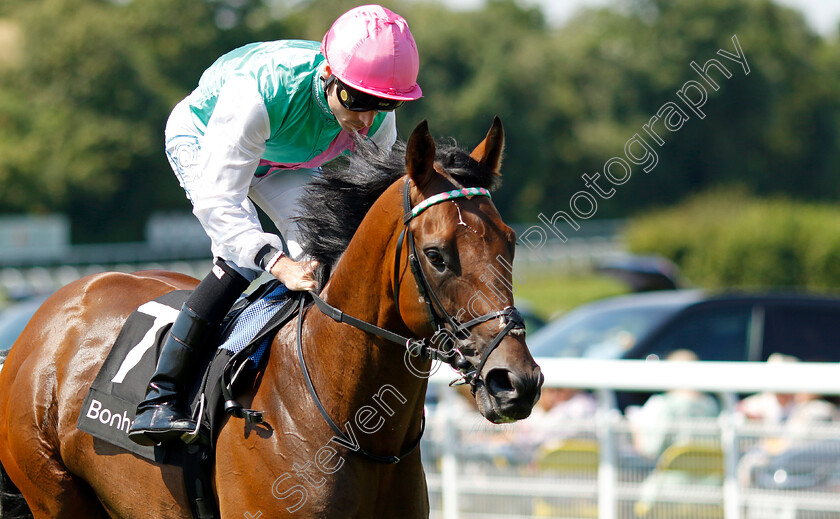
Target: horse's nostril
[499,381]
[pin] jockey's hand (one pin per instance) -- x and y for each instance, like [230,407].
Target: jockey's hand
[298,276]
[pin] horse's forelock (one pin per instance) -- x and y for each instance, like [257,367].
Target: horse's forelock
[467,171]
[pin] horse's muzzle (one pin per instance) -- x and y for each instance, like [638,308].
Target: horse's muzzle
[508,396]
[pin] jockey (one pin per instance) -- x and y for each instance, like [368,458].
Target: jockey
[261,118]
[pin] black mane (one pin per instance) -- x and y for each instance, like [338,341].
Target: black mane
[335,202]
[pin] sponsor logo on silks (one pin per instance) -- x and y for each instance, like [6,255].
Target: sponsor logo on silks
[107,417]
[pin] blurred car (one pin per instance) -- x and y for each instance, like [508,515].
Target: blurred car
[813,465]
[13,320]
[804,474]
[715,326]
[533,320]
[642,273]
[608,328]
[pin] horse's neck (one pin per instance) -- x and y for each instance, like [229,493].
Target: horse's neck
[360,285]
[355,369]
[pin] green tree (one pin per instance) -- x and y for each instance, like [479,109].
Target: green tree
[83,107]
[87,85]
[764,130]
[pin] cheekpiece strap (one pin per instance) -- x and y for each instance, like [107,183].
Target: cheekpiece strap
[465,192]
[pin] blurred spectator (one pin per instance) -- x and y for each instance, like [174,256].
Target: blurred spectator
[768,407]
[459,407]
[455,421]
[554,416]
[661,421]
[792,414]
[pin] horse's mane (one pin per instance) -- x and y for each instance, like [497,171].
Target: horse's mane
[335,202]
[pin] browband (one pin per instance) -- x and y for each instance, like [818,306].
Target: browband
[464,192]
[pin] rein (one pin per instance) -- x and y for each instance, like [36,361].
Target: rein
[342,437]
[447,326]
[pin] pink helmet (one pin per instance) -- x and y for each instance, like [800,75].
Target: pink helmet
[370,48]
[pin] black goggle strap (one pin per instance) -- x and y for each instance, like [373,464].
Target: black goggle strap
[358,101]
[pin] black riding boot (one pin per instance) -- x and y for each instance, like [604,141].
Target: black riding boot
[161,416]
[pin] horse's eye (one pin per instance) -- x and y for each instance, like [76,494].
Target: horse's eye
[435,257]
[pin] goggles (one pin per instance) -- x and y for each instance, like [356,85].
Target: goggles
[357,101]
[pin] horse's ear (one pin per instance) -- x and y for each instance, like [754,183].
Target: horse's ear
[420,154]
[489,152]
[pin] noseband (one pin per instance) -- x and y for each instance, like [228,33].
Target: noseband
[448,329]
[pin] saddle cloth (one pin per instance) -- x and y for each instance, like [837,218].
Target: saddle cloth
[120,385]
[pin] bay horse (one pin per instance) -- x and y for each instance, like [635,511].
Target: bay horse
[426,247]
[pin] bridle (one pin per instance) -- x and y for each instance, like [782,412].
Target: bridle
[448,328]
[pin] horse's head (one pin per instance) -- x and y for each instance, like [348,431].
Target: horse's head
[462,255]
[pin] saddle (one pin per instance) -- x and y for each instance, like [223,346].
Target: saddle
[243,341]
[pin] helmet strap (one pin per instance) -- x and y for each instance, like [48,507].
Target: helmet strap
[327,82]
